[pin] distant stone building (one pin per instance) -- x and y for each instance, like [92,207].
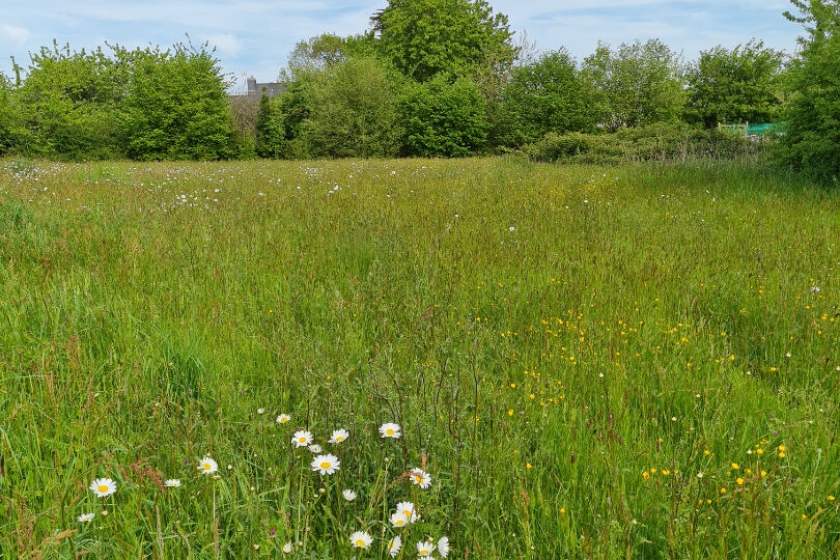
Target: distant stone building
[256,90]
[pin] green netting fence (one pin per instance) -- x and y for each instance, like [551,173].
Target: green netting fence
[752,129]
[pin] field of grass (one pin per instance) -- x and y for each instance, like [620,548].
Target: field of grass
[589,362]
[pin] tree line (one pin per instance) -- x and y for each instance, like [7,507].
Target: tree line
[430,78]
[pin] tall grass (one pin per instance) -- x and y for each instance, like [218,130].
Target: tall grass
[591,362]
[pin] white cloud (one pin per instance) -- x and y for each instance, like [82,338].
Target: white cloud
[14,34]
[225,43]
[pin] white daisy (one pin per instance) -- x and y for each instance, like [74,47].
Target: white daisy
[172,483]
[399,519]
[325,464]
[302,438]
[260,411]
[443,547]
[361,539]
[208,465]
[390,430]
[394,546]
[349,495]
[287,548]
[85,518]
[408,509]
[283,418]
[421,478]
[103,487]
[339,435]
[315,448]
[425,548]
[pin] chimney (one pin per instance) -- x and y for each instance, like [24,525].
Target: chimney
[252,86]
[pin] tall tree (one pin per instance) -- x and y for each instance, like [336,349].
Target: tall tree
[349,110]
[176,105]
[546,95]
[6,114]
[811,141]
[636,84]
[738,85]
[68,104]
[443,118]
[460,37]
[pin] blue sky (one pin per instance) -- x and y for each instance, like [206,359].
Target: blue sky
[255,37]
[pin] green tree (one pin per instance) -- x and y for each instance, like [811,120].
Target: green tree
[350,110]
[176,104]
[426,37]
[270,128]
[811,141]
[6,114]
[444,119]
[738,85]
[636,84]
[68,105]
[546,95]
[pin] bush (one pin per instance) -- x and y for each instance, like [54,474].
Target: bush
[444,119]
[657,142]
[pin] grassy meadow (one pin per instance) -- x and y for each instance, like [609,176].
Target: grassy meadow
[588,362]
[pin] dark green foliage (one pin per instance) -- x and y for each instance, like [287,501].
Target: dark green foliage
[811,140]
[657,142]
[176,106]
[68,105]
[6,114]
[637,84]
[271,132]
[426,37]
[544,96]
[443,118]
[738,85]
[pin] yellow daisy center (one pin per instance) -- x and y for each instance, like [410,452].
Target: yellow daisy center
[325,465]
[418,478]
[339,438]
[360,543]
[389,431]
[400,522]
[302,440]
[102,488]
[206,466]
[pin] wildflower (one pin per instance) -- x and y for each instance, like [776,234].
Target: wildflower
[315,448]
[421,478]
[172,483]
[287,548]
[302,438]
[390,430]
[399,519]
[645,475]
[831,498]
[208,465]
[349,495]
[394,546]
[407,509]
[735,466]
[739,481]
[361,539]
[443,547]
[103,487]
[283,418]
[425,548]
[339,435]
[325,464]
[723,490]
[85,518]
[260,411]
